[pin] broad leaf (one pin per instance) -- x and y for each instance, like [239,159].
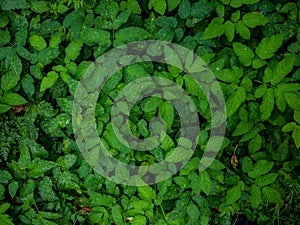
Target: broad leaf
[268,46]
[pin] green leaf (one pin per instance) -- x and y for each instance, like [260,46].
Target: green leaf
[266,179]
[172,4]
[46,190]
[13,188]
[38,42]
[205,182]
[258,63]
[166,113]
[12,99]
[5,220]
[268,46]
[202,9]
[244,53]
[49,80]
[184,10]
[254,19]
[242,30]
[289,127]
[229,30]
[116,214]
[297,116]
[190,166]
[267,104]
[255,144]
[4,108]
[292,99]
[130,34]
[134,6]
[247,164]
[255,197]
[67,161]
[5,176]
[236,16]
[27,83]
[73,50]
[214,29]
[94,36]
[39,6]
[146,193]
[160,6]
[39,166]
[282,68]
[260,168]
[139,220]
[193,212]
[296,136]
[233,194]
[12,77]
[234,101]
[100,199]
[242,128]
[229,75]
[4,37]
[271,195]
[4,207]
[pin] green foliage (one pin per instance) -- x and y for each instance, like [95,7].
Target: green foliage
[251,46]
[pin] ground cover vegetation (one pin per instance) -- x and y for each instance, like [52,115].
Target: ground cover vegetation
[251,46]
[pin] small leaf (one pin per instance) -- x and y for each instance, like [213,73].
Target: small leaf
[49,80]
